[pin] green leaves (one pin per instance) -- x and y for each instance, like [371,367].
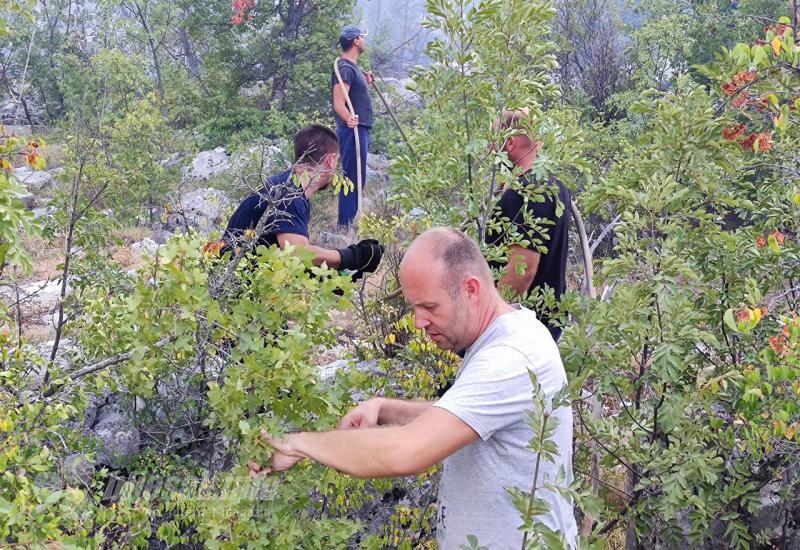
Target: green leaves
[741,54]
[690,343]
[490,56]
[472,544]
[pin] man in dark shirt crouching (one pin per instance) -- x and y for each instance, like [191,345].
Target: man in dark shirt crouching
[284,201]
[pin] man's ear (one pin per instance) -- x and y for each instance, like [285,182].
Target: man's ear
[472,286]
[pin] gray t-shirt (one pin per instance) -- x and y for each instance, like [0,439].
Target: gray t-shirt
[493,394]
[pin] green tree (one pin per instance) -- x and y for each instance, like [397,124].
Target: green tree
[694,340]
[269,74]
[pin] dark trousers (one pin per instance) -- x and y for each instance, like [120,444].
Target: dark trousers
[348,204]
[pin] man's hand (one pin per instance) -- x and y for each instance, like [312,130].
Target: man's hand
[283,457]
[364,415]
[364,256]
[280,462]
[372,252]
[352,121]
[370,78]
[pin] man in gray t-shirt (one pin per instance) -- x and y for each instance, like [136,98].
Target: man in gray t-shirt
[479,427]
[492,394]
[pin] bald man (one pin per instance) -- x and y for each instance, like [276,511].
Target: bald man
[479,427]
[528,266]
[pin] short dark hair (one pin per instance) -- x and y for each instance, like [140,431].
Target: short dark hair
[314,142]
[346,43]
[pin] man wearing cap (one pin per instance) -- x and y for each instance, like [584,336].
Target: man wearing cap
[355,84]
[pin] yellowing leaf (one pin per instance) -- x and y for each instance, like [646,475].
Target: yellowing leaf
[776,45]
[773,244]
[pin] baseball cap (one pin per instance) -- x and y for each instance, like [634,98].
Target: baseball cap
[351,32]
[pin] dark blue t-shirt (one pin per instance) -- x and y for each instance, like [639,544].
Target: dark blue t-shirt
[282,201]
[359,93]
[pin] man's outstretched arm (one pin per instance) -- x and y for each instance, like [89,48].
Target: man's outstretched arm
[382,411]
[379,452]
[363,257]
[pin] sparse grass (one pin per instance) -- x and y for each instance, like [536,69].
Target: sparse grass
[45,256]
[132,234]
[325,211]
[53,154]
[37,333]
[126,258]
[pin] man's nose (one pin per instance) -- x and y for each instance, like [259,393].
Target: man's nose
[420,321]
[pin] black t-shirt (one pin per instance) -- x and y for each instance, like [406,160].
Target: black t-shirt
[286,206]
[359,92]
[553,264]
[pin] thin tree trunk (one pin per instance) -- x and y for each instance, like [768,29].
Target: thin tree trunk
[192,62]
[22,102]
[142,16]
[157,68]
[74,216]
[405,33]
[18,309]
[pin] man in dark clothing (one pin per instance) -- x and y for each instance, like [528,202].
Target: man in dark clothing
[532,214]
[284,208]
[355,85]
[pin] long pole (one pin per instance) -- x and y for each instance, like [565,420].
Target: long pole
[394,118]
[359,183]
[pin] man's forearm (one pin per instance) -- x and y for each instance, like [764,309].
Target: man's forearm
[374,452]
[520,272]
[341,109]
[321,255]
[431,437]
[326,255]
[400,412]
